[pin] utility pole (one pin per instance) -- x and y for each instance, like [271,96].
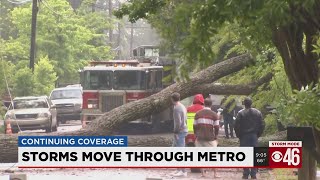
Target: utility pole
[33,33]
[110,16]
[119,35]
[131,40]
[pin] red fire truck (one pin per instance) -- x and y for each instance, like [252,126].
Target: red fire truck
[110,84]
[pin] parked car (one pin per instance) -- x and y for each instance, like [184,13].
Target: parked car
[68,101]
[31,113]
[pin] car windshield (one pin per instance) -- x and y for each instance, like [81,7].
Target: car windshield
[98,80]
[66,94]
[129,80]
[29,103]
[151,52]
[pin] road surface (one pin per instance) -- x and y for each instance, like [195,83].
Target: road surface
[124,174]
[69,126]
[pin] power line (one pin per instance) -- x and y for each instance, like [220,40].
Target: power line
[19,2]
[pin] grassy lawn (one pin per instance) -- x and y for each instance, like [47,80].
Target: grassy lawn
[284,174]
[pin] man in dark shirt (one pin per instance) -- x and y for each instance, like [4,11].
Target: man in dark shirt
[249,126]
[228,113]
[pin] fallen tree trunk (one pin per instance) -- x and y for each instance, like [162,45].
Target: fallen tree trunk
[108,123]
[161,101]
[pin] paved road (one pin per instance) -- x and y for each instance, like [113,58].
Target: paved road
[69,126]
[124,174]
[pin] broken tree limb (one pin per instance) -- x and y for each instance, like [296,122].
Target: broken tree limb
[230,89]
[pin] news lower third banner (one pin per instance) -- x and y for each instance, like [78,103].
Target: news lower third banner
[113,152]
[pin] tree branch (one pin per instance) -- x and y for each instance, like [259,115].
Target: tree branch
[229,89]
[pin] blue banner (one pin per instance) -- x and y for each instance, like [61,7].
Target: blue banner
[72,141]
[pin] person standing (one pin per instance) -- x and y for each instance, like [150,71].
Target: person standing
[180,127]
[196,106]
[228,114]
[249,126]
[206,128]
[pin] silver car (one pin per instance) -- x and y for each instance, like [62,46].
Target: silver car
[31,113]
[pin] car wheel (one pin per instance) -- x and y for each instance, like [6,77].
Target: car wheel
[49,129]
[55,127]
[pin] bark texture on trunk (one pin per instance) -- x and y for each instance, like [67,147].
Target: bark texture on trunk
[294,42]
[309,166]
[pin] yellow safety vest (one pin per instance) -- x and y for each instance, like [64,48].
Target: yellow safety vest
[190,120]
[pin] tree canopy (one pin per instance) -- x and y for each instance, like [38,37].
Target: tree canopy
[290,26]
[66,40]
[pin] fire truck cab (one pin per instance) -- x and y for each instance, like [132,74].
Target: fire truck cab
[110,84]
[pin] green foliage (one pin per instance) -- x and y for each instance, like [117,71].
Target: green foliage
[168,79]
[6,27]
[23,82]
[271,124]
[44,77]
[67,37]
[8,69]
[302,107]
[317,46]
[189,27]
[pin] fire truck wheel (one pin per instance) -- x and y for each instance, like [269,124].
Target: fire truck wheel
[63,121]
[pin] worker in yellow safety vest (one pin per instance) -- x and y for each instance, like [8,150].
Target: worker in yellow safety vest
[197,105]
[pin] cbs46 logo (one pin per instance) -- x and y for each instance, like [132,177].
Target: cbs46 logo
[291,156]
